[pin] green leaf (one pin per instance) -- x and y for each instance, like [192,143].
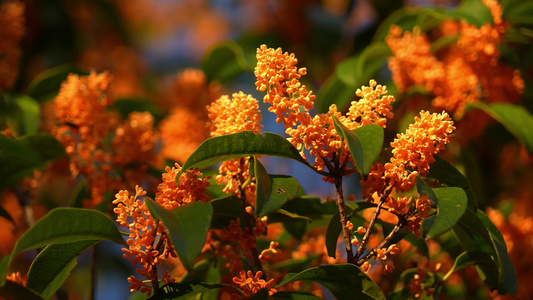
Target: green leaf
[288,295]
[46,85]
[517,12]
[346,72]
[448,175]
[79,193]
[126,106]
[21,156]
[262,294]
[332,234]
[25,117]
[187,227]
[468,258]
[443,42]
[11,290]
[186,290]
[451,207]
[66,225]
[224,62]
[283,189]
[225,210]
[371,61]
[344,281]
[295,265]
[405,18]
[423,188]
[364,143]
[473,12]
[263,187]
[227,147]
[53,265]
[334,91]
[514,118]
[400,294]
[296,228]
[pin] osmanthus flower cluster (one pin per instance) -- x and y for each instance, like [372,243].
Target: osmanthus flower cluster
[149,245]
[85,123]
[458,74]
[277,74]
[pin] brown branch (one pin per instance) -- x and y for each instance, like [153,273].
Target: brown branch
[342,212]
[401,222]
[362,246]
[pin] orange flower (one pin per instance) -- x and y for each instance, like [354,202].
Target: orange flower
[16,277]
[277,74]
[251,283]
[135,139]
[191,188]
[240,113]
[11,32]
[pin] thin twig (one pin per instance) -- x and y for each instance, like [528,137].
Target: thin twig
[362,246]
[395,230]
[342,212]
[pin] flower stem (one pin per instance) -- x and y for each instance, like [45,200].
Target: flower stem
[342,212]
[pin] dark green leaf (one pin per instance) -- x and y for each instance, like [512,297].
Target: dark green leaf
[364,143]
[11,290]
[517,12]
[371,61]
[470,258]
[334,91]
[514,118]
[295,265]
[53,265]
[126,106]
[186,290]
[332,235]
[224,62]
[262,294]
[400,294]
[296,228]
[423,188]
[288,295]
[473,12]
[405,18]
[225,210]
[46,85]
[79,193]
[448,175]
[283,189]
[310,207]
[344,281]
[21,156]
[187,227]
[263,187]
[451,207]
[66,225]
[227,147]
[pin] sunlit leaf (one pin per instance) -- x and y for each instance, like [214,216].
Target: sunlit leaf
[187,227]
[227,147]
[283,189]
[364,143]
[517,12]
[53,265]
[452,203]
[344,281]
[25,115]
[473,12]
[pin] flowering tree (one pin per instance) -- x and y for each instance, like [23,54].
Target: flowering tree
[217,224]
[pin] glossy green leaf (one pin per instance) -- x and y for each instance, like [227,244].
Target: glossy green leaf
[66,225]
[21,156]
[224,62]
[364,143]
[53,265]
[225,210]
[334,91]
[46,85]
[187,227]
[187,290]
[448,175]
[283,189]
[514,118]
[263,187]
[452,204]
[227,147]
[473,12]
[11,290]
[289,295]
[344,281]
